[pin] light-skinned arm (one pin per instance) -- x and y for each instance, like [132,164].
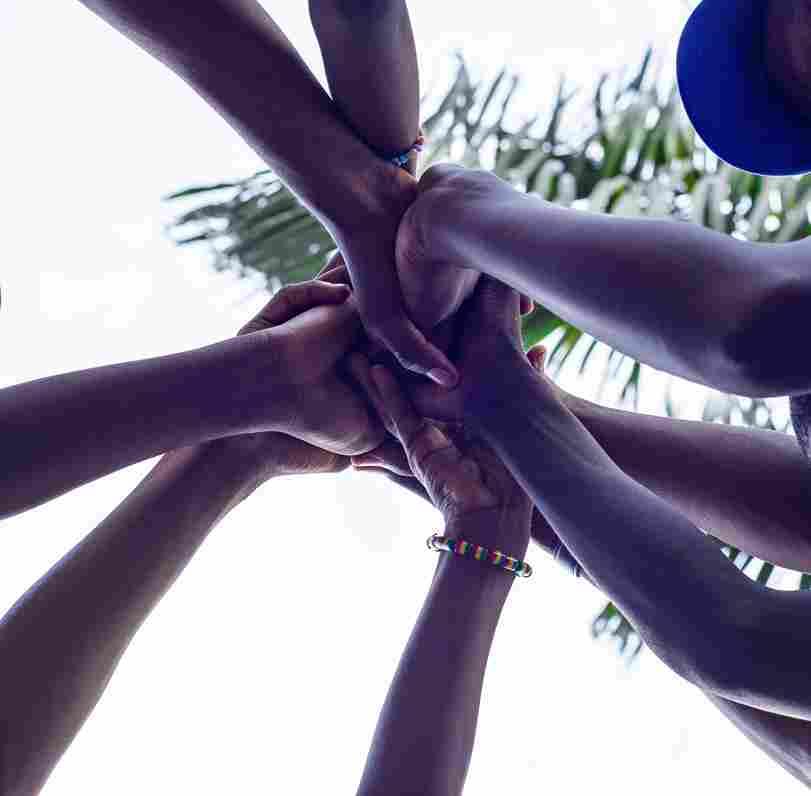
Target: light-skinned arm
[66,430]
[676,296]
[234,55]
[62,640]
[424,736]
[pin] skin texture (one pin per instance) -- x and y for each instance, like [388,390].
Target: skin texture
[125,565]
[632,545]
[788,50]
[66,430]
[230,52]
[424,737]
[676,296]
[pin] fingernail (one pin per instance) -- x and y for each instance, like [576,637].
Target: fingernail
[442,377]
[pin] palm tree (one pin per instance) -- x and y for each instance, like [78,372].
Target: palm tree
[628,150]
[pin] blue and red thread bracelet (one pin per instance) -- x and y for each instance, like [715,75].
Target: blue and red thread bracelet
[461,547]
[401,159]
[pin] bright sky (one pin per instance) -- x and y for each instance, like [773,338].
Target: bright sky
[251,677]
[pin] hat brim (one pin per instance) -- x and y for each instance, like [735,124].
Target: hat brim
[728,95]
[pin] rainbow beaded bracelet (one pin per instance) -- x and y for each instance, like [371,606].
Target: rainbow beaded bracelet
[460,547]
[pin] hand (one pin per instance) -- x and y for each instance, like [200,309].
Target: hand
[311,327]
[390,460]
[369,251]
[464,478]
[435,279]
[488,352]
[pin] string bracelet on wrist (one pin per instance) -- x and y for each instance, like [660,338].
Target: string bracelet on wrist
[401,159]
[461,547]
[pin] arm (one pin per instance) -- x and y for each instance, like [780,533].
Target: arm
[62,641]
[66,430]
[749,487]
[679,297]
[725,634]
[424,736]
[371,63]
[695,610]
[237,59]
[87,609]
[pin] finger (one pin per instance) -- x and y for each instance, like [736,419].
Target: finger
[292,300]
[335,272]
[395,406]
[335,261]
[431,454]
[527,305]
[389,456]
[360,369]
[537,357]
[497,305]
[413,351]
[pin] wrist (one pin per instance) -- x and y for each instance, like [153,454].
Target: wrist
[505,387]
[380,197]
[247,384]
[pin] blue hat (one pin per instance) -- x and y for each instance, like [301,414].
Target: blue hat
[728,95]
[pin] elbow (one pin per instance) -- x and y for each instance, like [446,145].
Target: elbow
[759,353]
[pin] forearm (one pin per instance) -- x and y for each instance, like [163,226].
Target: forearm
[235,57]
[675,296]
[371,64]
[426,729]
[749,487]
[63,639]
[785,739]
[633,545]
[65,430]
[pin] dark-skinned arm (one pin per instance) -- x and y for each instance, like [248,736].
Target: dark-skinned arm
[676,296]
[371,64]
[424,736]
[694,609]
[234,55]
[62,641]
[749,487]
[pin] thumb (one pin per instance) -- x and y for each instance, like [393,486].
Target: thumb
[537,357]
[497,304]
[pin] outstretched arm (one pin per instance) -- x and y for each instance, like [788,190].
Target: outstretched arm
[709,623]
[234,56]
[62,641]
[749,487]
[424,737]
[676,296]
[65,430]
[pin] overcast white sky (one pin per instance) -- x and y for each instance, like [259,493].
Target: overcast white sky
[251,678]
